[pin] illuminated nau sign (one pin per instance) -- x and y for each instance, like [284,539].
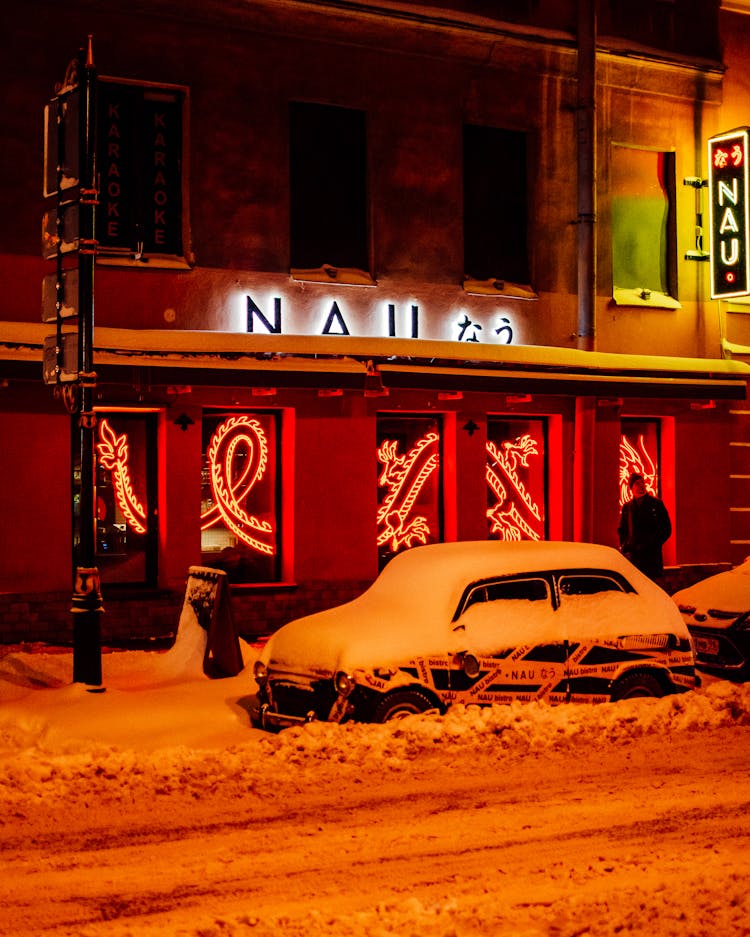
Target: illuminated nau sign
[727,181]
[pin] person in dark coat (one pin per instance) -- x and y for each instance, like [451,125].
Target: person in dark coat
[644,528]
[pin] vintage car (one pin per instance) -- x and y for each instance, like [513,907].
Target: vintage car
[479,623]
[716,611]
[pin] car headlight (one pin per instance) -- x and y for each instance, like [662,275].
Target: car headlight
[260,672]
[344,683]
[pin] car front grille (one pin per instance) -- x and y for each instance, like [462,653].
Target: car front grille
[300,699]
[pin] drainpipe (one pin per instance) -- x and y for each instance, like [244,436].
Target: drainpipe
[585,412]
[586,132]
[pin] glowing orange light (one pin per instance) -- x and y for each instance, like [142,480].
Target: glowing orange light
[405,477]
[114,455]
[503,479]
[233,478]
[636,459]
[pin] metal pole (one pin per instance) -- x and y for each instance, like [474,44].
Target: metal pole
[87,600]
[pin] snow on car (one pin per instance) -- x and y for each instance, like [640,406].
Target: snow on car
[479,622]
[716,611]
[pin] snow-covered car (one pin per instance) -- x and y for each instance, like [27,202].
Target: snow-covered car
[716,611]
[479,622]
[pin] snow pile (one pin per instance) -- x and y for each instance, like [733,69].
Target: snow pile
[163,726]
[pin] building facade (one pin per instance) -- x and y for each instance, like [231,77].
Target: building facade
[366,276]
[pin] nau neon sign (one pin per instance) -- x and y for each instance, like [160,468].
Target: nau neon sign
[728,186]
[238,461]
[385,320]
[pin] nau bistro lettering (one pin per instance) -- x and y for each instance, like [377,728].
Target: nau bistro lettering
[728,184]
[387,320]
[140,158]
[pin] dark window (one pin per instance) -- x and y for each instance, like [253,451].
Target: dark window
[532,590]
[588,584]
[140,168]
[495,205]
[328,187]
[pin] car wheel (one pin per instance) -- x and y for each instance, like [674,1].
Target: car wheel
[633,685]
[402,703]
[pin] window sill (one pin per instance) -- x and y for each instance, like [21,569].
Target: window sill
[146,262]
[347,276]
[644,297]
[495,287]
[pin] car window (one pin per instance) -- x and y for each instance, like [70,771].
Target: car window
[533,590]
[587,584]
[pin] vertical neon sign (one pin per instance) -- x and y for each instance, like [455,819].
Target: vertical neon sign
[637,458]
[114,455]
[513,513]
[404,477]
[238,461]
[728,212]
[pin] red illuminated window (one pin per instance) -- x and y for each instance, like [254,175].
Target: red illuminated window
[409,508]
[126,535]
[240,495]
[639,452]
[515,475]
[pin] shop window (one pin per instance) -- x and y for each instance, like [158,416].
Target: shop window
[639,452]
[126,516]
[516,478]
[495,205]
[409,483]
[141,216]
[644,260]
[328,188]
[240,495]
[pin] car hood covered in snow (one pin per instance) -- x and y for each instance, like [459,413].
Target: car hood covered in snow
[725,592]
[408,610]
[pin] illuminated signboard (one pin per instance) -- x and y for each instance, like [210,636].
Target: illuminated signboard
[728,184]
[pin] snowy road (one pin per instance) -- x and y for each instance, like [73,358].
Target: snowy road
[154,809]
[625,835]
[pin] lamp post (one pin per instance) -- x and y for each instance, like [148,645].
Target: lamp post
[71,176]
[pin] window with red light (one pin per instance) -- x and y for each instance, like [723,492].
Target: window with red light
[516,472]
[125,507]
[240,495]
[409,483]
[639,452]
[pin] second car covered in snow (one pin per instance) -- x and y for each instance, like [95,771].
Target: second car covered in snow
[479,623]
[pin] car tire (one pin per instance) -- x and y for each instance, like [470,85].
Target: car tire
[637,684]
[402,703]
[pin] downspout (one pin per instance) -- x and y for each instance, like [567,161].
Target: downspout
[586,132]
[585,412]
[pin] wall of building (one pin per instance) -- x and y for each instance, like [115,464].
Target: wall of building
[418,85]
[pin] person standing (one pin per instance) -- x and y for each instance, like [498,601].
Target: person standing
[644,528]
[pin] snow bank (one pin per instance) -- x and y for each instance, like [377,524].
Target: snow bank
[190,733]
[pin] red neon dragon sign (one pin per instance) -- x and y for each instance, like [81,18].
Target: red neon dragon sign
[636,459]
[114,455]
[511,495]
[405,477]
[233,478]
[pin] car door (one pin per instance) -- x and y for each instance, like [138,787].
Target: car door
[512,648]
[592,606]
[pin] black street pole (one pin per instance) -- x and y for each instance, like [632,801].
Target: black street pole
[87,599]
